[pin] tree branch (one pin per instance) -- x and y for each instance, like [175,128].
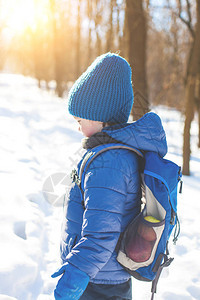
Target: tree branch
[188,22]
[189,11]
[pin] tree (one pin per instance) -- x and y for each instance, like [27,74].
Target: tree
[97,21]
[166,55]
[192,86]
[137,30]
[89,15]
[78,39]
[109,40]
[63,37]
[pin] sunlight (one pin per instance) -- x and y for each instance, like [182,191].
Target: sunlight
[22,14]
[22,17]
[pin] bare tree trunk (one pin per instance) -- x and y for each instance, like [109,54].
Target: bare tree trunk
[189,115]
[118,27]
[97,21]
[197,97]
[78,39]
[56,51]
[199,127]
[193,74]
[109,41]
[37,51]
[137,28]
[125,37]
[89,14]
[36,58]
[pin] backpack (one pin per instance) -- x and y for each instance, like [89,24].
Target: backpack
[143,247]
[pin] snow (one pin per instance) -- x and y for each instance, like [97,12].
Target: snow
[39,140]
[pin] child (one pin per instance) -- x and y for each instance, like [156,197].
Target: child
[101,101]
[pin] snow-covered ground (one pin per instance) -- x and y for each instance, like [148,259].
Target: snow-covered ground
[38,139]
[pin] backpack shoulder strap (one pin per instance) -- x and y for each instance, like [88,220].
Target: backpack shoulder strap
[94,152]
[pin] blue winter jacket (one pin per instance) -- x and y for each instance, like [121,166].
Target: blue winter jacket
[112,198]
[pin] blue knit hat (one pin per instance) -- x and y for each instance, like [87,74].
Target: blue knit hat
[104,92]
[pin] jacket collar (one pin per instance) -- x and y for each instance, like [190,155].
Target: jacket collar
[97,139]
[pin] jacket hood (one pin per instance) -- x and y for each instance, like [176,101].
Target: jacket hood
[146,134]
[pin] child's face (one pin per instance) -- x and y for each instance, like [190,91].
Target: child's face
[89,127]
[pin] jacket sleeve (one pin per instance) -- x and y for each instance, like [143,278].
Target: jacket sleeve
[105,194]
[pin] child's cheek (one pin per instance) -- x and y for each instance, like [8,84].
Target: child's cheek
[88,132]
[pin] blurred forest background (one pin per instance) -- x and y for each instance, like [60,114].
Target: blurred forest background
[56,40]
